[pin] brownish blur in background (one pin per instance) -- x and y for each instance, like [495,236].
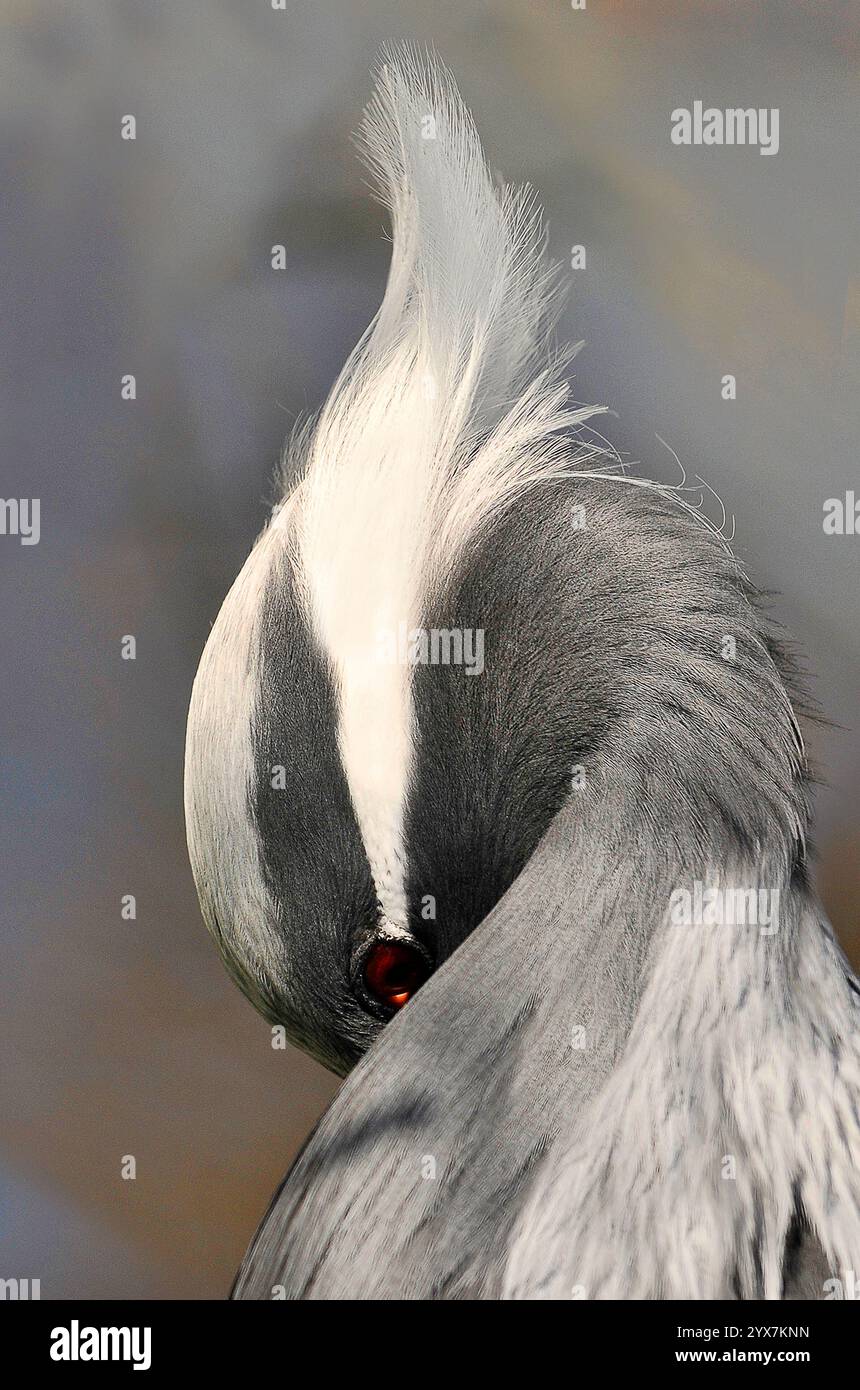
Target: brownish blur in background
[153,257]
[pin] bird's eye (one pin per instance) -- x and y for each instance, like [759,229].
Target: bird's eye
[393,971]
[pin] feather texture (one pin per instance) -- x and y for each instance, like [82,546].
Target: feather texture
[447,408]
[714,1112]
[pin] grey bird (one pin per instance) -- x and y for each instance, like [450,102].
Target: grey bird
[497,801]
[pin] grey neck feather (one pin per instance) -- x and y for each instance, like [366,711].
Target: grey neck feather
[630,1062]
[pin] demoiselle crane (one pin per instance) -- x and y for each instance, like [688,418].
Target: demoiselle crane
[489,729]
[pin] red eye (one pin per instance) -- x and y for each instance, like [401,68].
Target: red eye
[393,971]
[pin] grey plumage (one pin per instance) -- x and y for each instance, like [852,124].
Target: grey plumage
[588,1097]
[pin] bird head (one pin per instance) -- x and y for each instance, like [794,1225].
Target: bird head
[456,621]
[364,771]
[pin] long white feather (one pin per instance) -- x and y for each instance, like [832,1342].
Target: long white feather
[447,408]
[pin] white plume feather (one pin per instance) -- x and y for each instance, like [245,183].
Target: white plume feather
[447,408]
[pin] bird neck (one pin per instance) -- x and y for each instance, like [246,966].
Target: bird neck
[713,1075]
[590,1098]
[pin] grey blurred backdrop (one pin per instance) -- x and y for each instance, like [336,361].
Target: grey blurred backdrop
[153,258]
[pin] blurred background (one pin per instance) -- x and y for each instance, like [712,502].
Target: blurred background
[153,257]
